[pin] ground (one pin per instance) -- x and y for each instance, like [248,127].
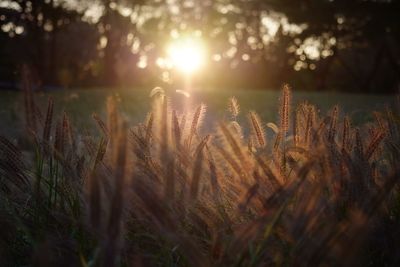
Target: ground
[80,104]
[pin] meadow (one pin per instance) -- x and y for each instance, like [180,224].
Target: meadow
[135,103]
[264,178]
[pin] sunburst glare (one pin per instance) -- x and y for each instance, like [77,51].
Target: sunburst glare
[187,54]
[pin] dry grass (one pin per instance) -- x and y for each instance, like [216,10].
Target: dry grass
[316,193]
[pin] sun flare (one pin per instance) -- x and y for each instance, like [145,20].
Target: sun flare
[187,54]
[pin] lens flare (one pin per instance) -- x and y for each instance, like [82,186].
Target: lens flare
[187,54]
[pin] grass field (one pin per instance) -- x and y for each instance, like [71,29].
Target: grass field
[81,104]
[147,184]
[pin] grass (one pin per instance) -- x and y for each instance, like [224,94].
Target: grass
[172,189]
[80,104]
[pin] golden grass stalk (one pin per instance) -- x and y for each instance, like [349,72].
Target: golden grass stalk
[112,119]
[48,122]
[373,145]
[333,125]
[156,92]
[101,124]
[233,143]
[214,180]
[359,147]
[284,112]
[296,127]
[198,168]
[231,162]
[149,127]
[310,120]
[346,134]
[235,126]
[111,246]
[176,129]
[196,121]
[233,107]
[94,188]
[277,183]
[257,128]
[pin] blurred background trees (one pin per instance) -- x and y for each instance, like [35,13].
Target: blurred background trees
[349,45]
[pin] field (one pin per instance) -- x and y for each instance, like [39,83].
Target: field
[259,179]
[80,104]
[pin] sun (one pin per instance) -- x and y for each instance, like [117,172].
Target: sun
[187,54]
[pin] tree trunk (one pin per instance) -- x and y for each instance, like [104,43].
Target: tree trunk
[374,68]
[324,72]
[109,75]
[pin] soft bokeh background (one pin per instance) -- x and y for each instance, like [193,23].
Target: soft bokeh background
[334,45]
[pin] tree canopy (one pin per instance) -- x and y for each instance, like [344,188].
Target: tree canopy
[322,44]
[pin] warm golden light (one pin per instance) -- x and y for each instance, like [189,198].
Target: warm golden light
[187,54]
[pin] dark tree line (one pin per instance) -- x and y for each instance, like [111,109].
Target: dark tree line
[367,35]
[321,44]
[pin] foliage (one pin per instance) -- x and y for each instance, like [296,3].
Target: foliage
[101,41]
[301,192]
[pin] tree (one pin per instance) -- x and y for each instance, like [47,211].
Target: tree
[288,39]
[358,27]
[36,24]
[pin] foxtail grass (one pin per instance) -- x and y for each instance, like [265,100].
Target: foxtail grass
[166,192]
